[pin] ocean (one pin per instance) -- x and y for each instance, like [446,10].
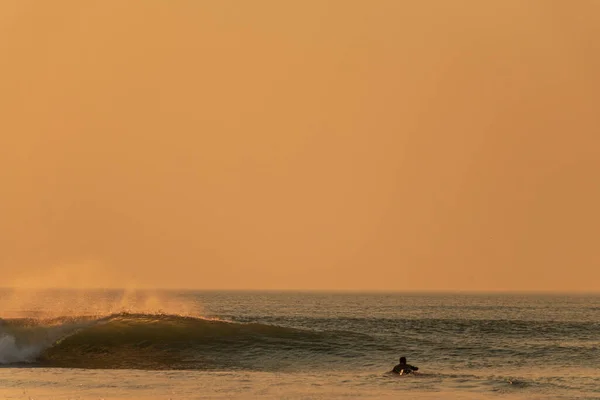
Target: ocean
[64,344]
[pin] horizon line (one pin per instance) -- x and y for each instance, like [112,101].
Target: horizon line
[307,290]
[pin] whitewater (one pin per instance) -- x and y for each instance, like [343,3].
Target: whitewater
[182,345]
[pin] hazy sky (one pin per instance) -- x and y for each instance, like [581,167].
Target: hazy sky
[314,144]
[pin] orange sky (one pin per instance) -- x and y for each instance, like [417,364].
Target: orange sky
[267,144]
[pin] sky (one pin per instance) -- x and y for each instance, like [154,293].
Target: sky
[300,145]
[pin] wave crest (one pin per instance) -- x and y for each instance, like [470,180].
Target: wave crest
[148,341]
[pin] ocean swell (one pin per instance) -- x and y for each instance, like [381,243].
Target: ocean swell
[161,342]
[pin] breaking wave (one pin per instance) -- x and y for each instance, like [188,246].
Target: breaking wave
[145,341]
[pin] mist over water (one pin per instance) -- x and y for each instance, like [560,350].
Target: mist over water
[54,303]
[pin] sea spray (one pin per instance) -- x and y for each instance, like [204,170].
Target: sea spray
[54,303]
[23,340]
[10,352]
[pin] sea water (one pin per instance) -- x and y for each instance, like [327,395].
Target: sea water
[186,345]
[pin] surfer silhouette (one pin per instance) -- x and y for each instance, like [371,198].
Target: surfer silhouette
[403,368]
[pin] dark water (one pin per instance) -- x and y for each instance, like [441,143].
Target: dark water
[538,342]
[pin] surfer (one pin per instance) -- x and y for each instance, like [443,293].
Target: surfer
[403,368]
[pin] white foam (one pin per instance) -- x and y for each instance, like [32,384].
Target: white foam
[10,352]
[32,344]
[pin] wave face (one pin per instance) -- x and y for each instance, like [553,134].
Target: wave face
[142,341]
